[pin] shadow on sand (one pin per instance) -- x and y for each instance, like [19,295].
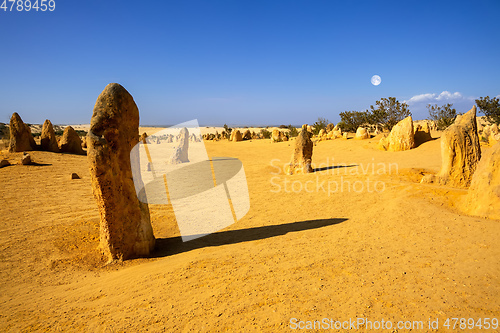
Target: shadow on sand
[331,167]
[418,143]
[173,245]
[31,164]
[39,164]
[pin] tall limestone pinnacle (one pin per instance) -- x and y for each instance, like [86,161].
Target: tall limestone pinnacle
[125,228]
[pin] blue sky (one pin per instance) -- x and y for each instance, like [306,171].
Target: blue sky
[246,62]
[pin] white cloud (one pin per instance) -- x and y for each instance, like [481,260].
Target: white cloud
[418,103]
[443,96]
[446,95]
[420,98]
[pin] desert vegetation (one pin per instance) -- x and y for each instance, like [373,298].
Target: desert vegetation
[442,116]
[386,113]
[320,124]
[490,107]
[265,133]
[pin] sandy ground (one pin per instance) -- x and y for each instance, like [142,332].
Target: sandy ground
[379,246]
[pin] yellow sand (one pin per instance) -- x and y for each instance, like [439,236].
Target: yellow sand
[403,253]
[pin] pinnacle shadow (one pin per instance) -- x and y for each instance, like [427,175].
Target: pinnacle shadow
[174,245]
[40,164]
[332,167]
[419,143]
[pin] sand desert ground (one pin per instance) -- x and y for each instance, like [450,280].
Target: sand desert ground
[379,245]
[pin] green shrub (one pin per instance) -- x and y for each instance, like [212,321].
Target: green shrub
[81,132]
[265,133]
[389,112]
[320,124]
[443,116]
[292,131]
[227,131]
[490,107]
[351,120]
[4,131]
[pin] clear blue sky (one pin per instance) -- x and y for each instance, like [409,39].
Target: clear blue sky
[246,62]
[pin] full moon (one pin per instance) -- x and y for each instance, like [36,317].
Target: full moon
[376,80]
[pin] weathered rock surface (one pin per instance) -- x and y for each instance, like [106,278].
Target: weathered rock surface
[486,131]
[494,134]
[277,136]
[337,133]
[422,134]
[401,137]
[383,143]
[48,141]
[181,152]
[125,229]
[247,135]
[71,142]
[483,197]
[480,127]
[20,135]
[460,151]
[236,136]
[26,159]
[494,138]
[361,134]
[302,155]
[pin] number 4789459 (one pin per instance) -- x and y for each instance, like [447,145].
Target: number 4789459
[27,5]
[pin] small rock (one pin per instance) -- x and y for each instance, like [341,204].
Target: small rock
[74,175]
[4,163]
[236,137]
[428,179]
[247,135]
[277,136]
[71,142]
[26,159]
[401,138]
[362,134]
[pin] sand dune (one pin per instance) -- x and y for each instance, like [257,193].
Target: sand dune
[398,250]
